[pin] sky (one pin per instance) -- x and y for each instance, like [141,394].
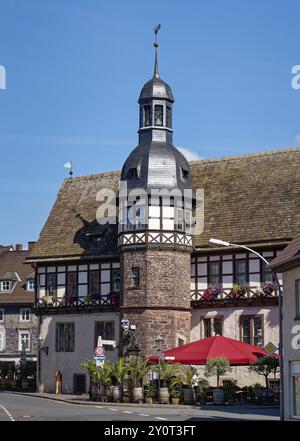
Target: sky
[74,70]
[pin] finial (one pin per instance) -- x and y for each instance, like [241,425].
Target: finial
[156,29]
[68,165]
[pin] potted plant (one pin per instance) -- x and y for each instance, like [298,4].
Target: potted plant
[189,377]
[119,370]
[211,293]
[237,291]
[165,372]
[150,392]
[266,289]
[229,387]
[139,368]
[176,390]
[88,299]
[218,367]
[201,390]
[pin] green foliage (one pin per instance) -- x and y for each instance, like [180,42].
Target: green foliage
[257,390]
[166,371]
[218,367]
[202,389]
[7,369]
[230,388]
[188,376]
[265,366]
[139,368]
[176,388]
[120,369]
[150,390]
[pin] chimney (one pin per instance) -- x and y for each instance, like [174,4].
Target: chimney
[19,247]
[31,245]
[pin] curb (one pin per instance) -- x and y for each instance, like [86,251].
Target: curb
[164,406]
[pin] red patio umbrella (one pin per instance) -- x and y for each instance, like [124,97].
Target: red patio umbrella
[198,352]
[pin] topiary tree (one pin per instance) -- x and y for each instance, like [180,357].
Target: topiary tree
[218,367]
[265,366]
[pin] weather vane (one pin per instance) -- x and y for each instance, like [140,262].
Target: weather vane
[156,29]
[68,165]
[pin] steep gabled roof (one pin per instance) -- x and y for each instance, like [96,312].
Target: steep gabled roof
[13,267]
[248,199]
[288,257]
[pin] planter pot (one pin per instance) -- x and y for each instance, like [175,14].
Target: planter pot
[149,400]
[24,384]
[164,395]
[138,396]
[218,396]
[175,401]
[117,393]
[188,396]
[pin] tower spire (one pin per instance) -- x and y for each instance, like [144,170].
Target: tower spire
[156,74]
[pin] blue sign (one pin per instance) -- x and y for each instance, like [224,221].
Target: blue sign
[99,357]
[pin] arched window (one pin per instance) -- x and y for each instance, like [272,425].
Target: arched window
[158,115]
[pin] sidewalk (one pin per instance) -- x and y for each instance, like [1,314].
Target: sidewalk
[84,400]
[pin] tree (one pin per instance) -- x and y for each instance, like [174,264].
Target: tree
[217,366]
[139,368]
[265,366]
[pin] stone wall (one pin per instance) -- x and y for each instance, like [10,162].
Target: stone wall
[161,303]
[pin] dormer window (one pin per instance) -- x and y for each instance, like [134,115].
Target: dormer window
[147,116]
[158,115]
[5,286]
[30,285]
[184,174]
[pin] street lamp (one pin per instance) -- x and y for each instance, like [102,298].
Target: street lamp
[159,341]
[223,243]
[40,348]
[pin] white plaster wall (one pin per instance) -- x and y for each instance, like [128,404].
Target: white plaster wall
[231,329]
[69,362]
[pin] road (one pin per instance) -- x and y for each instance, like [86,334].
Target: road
[15,407]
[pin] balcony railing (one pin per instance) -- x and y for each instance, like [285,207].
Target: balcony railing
[79,302]
[215,294]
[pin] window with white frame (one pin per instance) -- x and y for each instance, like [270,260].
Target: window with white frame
[24,339]
[5,286]
[1,315]
[2,341]
[30,285]
[25,314]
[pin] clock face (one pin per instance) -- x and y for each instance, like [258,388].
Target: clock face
[158,115]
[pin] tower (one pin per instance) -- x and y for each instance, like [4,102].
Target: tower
[155,216]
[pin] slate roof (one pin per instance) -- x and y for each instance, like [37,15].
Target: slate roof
[288,257]
[250,199]
[12,262]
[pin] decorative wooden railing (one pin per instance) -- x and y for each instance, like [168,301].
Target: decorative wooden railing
[106,301]
[227,294]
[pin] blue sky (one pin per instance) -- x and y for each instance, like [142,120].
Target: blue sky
[75,69]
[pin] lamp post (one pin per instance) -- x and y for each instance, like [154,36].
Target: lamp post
[159,341]
[223,243]
[40,348]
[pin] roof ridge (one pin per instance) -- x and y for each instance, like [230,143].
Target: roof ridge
[246,155]
[92,176]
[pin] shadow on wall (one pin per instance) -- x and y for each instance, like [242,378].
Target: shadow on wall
[272,318]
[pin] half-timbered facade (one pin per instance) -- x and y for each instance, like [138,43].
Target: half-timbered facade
[91,274]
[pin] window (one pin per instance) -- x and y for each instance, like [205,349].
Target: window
[135,277]
[25,314]
[147,116]
[115,280]
[158,115]
[212,327]
[105,330]
[252,330]
[267,274]
[5,286]
[215,273]
[1,315]
[180,342]
[2,341]
[30,285]
[168,117]
[65,337]
[51,284]
[95,284]
[297,298]
[295,383]
[71,290]
[241,272]
[24,340]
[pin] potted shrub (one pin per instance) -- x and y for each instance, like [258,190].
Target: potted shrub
[165,371]
[218,367]
[237,291]
[266,289]
[189,377]
[150,392]
[139,368]
[229,387]
[176,390]
[201,390]
[88,299]
[119,371]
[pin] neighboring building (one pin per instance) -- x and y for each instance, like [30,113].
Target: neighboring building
[18,323]
[288,262]
[91,276]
